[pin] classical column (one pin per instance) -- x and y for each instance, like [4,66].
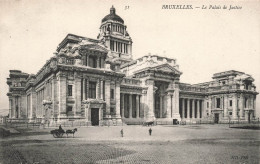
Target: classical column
[117,97]
[107,97]
[241,105]
[183,110]
[161,106]
[123,105]
[198,108]
[234,105]
[188,108]
[137,105]
[130,106]
[84,89]
[193,108]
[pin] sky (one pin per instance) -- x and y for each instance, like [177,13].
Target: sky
[204,41]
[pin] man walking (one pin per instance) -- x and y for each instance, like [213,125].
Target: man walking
[122,133]
[150,131]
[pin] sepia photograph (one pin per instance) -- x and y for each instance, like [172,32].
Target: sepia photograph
[129,81]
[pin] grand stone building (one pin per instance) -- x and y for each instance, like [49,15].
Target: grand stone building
[93,80]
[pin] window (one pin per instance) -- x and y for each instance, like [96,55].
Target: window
[207,104]
[112,111]
[70,61]
[92,61]
[92,90]
[100,63]
[112,45]
[69,109]
[218,102]
[230,113]
[230,102]
[69,90]
[246,102]
[112,96]
[112,67]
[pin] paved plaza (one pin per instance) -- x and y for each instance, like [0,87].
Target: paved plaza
[167,144]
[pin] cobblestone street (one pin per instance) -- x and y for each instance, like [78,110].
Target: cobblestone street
[167,144]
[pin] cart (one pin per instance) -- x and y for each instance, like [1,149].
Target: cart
[57,133]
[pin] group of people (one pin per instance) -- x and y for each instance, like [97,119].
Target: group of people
[122,132]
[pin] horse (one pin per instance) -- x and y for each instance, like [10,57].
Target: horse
[71,132]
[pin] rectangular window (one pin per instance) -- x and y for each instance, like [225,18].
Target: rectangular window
[69,110]
[230,102]
[69,90]
[218,102]
[92,90]
[100,63]
[245,104]
[230,113]
[92,61]
[207,104]
[112,111]
[112,96]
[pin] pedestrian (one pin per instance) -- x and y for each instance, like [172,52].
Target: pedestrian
[122,133]
[150,131]
[60,128]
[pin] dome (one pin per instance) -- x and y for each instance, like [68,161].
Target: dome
[113,16]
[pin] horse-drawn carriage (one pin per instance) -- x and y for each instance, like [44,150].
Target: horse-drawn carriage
[58,133]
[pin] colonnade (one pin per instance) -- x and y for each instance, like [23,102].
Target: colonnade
[191,108]
[130,106]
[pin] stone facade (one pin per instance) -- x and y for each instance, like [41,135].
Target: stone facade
[93,80]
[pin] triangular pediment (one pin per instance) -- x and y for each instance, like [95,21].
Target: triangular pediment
[93,47]
[166,68]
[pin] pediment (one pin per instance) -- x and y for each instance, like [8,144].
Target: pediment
[167,68]
[93,47]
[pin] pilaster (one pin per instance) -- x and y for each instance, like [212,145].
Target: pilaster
[234,105]
[107,98]
[62,95]
[241,106]
[117,96]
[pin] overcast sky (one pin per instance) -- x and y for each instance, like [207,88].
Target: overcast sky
[204,42]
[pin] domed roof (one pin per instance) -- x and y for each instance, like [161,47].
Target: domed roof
[113,16]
